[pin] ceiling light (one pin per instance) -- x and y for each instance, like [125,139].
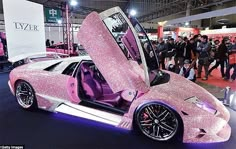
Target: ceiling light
[132,12]
[59,21]
[73,3]
[186,23]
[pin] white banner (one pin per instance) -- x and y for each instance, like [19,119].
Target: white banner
[24,24]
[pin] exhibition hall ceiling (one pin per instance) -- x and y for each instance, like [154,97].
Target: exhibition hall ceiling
[147,10]
[86,6]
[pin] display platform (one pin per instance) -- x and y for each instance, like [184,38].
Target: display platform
[44,130]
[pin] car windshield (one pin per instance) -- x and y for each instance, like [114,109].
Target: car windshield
[133,47]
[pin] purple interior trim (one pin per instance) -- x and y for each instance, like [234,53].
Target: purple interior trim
[129,41]
[95,90]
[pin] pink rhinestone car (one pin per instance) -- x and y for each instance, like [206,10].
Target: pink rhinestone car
[120,84]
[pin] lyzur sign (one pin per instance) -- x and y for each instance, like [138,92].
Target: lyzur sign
[52,15]
[24,24]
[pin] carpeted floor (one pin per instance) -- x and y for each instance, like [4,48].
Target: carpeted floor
[44,130]
[216,80]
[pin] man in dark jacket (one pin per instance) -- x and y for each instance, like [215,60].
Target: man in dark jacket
[220,56]
[194,57]
[171,49]
[203,60]
[179,57]
[188,49]
[161,51]
[48,43]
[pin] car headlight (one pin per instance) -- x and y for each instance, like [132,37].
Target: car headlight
[200,104]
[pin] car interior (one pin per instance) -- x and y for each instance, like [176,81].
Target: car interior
[93,88]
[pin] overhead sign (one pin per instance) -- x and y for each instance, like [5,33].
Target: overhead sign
[52,15]
[24,25]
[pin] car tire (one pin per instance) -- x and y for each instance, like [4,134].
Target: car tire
[25,95]
[157,121]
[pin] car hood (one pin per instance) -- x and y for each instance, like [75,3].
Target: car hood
[179,89]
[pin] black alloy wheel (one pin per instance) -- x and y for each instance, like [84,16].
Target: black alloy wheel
[157,121]
[25,95]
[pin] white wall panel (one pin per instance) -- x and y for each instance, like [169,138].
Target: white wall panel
[24,23]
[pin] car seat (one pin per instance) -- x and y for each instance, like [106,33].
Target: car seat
[94,90]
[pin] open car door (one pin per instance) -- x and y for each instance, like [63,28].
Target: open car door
[113,44]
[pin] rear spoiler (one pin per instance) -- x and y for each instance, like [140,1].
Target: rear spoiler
[26,57]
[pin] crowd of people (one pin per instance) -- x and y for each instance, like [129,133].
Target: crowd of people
[183,55]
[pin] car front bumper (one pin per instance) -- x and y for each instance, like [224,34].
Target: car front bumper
[211,130]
